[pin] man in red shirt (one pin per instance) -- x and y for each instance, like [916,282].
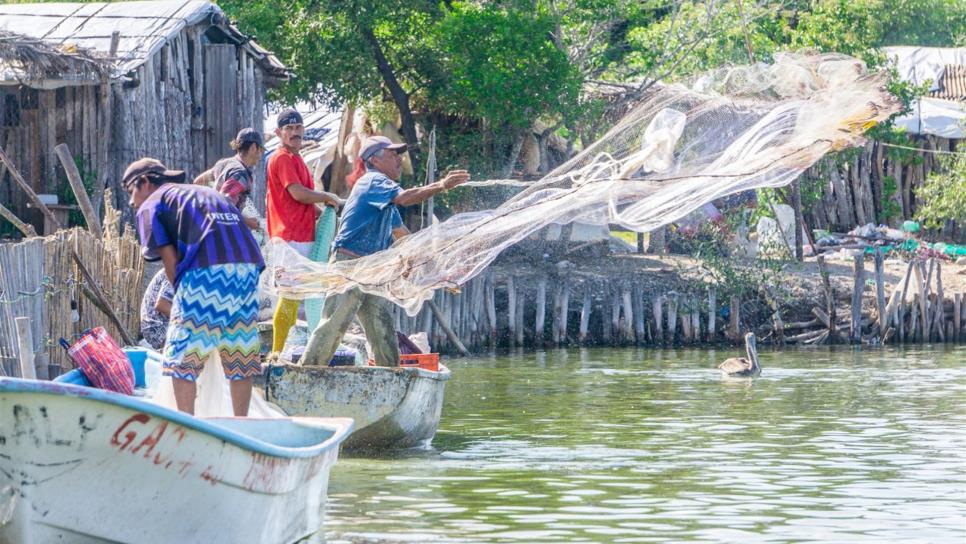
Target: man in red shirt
[291,209]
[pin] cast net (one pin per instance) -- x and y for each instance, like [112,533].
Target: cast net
[675,150]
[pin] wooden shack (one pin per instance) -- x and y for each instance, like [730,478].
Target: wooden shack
[173,80]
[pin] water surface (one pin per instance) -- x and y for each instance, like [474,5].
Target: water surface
[629,445]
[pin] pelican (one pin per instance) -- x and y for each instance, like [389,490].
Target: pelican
[740,366]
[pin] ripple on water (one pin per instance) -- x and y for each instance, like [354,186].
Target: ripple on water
[638,446]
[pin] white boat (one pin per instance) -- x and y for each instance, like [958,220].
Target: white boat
[79,464]
[392,407]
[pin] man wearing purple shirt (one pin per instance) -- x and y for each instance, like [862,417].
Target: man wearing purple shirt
[213,262]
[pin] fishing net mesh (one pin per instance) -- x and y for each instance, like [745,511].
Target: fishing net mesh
[677,149]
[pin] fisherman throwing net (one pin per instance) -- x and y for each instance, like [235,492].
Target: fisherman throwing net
[677,149]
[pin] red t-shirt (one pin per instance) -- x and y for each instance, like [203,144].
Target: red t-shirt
[288,218]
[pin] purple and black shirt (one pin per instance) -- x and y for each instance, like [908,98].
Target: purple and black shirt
[203,225]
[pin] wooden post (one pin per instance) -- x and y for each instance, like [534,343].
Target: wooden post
[115,41]
[695,319]
[796,197]
[922,334]
[685,322]
[511,308]
[489,296]
[712,312]
[640,243]
[426,325]
[829,298]
[927,315]
[672,316]
[628,330]
[80,192]
[658,319]
[914,329]
[902,301]
[555,314]
[734,308]
[957,317]
[880,291]
[521,306]
[26,228]
[615,317]
[890,312]
[939,315]
[564,310]
[25,345]
[541,315]
[858,284]
[444,324]
[585,315]
[605,320]
[637,307]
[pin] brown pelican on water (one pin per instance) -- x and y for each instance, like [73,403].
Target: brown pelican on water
[741,366]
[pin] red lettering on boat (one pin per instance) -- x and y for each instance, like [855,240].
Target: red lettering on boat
[130,436]
[152,440]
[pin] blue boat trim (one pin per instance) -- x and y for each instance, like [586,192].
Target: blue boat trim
[339,432]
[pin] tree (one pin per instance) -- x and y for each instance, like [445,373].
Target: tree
[943,195]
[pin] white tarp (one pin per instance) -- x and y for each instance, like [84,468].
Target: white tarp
[934,116]
[943,118]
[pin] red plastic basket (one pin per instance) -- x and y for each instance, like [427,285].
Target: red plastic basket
[425,361]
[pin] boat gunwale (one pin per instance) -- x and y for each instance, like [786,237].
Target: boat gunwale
[442,375]
[340,427]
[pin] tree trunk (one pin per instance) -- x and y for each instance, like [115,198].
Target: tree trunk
[399,96]
[511,160]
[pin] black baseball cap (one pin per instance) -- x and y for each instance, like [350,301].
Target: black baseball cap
[250,135]
[153,168]
[289,116]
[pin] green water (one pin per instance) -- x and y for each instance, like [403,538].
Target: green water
[654,446]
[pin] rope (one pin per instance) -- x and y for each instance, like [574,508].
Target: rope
[922,150]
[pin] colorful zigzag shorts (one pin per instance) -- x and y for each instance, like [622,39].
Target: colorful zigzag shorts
[214,308]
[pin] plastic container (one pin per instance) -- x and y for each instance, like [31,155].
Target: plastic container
[74,377]
[137,356]
[425,361]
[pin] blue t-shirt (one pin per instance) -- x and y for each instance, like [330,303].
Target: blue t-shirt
[369,216]
[203,226]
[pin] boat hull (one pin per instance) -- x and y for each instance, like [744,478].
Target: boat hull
[392,407]
[83,465]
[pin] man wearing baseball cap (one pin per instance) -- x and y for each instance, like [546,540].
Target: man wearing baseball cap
[291,209]
[233,176]
[370,223]
[213,262]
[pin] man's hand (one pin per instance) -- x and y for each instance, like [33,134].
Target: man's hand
[252,222]
[455,178]
[333,200]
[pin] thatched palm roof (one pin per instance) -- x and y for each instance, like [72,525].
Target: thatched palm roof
[28,59]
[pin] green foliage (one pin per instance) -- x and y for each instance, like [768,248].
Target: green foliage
[732,273]
[943,196]
[502,66]
[66,195]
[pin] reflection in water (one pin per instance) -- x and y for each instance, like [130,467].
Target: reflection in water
[650,446]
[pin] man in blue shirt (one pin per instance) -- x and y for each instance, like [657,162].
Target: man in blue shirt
[370,223]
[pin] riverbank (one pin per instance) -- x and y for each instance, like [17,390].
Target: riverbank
[629,299]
